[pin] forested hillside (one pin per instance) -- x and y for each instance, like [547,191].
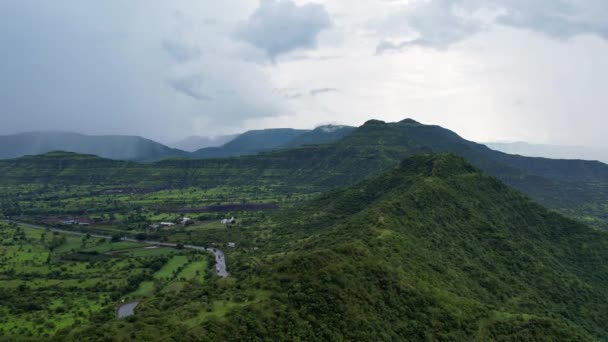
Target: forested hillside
[431,250]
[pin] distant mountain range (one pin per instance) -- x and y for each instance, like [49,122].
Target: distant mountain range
[578,188]
[253,142]
[194,143]
[136,148]
[552,151]
[107,146]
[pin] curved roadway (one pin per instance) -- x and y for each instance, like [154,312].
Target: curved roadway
[220,259]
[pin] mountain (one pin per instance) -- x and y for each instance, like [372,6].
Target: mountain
[107,146]
[251,142]
[574,187]
[194,143]
[320,135]
[140,149]
[552,151]
[432,250]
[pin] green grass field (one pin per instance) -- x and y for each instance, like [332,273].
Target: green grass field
[194,270]
[170,269]
[51,281]
[145,289]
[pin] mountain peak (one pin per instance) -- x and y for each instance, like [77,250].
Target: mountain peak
[410,121]
[374,122]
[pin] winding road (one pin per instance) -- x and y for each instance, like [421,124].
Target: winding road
[220,259]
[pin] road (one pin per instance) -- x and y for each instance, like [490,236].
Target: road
[127,309]
[220,258]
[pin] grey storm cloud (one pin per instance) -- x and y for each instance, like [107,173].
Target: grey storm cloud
[440,23]
[190,86]
[181,52]
[281,26]
[128,68]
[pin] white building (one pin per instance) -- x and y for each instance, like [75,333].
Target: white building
[229,221]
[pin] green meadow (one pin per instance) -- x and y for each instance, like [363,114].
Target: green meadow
[52,282]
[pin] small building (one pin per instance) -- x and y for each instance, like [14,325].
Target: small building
[186,221]
[229,221]
[77,221]
[232,244]
[167,224]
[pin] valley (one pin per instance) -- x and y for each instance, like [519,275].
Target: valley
[304,171]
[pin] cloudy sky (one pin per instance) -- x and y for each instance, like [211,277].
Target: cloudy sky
[488,69]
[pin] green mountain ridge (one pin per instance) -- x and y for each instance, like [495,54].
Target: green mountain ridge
[133,148]
[250,142]
[433,249]
[254,142]
[577,188]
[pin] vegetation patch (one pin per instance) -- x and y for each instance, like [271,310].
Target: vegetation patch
[171,268]
[194,271]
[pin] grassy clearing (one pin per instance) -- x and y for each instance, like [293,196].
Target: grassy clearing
[145,289]
[171,268]
[174,287]
[195,270]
